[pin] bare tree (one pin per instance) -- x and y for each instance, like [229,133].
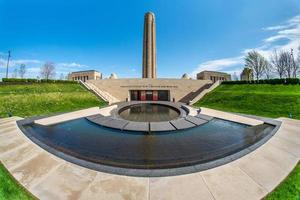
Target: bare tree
[15,73]
[278,66]
[48,70]
[22,70]
[286,59]
[269,71]
[235,77]
[62,76]
[295,63]
[257,63]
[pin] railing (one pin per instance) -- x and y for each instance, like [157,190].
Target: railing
[204,92]
[102,94]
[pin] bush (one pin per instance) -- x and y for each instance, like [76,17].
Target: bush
[14,80]
[292,81]
[32,80]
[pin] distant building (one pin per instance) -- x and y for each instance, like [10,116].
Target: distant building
[113,76]
[247,74]
[85,75]
[213,76]
[185,76]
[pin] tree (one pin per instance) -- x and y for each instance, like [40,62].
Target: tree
[257,63]
[235,77]
[269,71]
[62,76]
[15,73]
[277,64]
[22,70]
[48,70]
[295,63]
[286,59]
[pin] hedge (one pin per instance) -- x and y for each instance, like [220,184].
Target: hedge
[32,80]
[286,81]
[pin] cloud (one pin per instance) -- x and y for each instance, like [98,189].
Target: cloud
[224,64]
[72,64]
[15,63]
[288,33]
[34,66]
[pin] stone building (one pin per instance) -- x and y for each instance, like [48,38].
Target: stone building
[247,74]
[85,75]
[213,76]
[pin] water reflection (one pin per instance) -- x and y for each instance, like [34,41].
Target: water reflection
[149,113]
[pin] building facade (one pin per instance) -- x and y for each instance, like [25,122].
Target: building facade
[213,76]
[85,75]
[149,89]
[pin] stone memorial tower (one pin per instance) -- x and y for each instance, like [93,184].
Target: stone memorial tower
[149,46]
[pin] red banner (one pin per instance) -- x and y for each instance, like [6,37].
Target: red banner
[143,95]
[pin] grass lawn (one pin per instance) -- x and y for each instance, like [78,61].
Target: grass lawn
[262,100]
[44,98]
[33,100]
[10,189]
[288,189]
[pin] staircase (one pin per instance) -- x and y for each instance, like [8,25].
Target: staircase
[100,93]
[192,95]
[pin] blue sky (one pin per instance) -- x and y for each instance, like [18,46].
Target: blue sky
[192,35]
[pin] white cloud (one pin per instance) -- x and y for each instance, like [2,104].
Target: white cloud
[15,63]
[218,65]
[33,66]
[72,64]
[288,33]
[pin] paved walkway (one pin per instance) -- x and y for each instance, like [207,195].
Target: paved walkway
[250,177]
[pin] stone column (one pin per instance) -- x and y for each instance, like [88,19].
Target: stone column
[149,47]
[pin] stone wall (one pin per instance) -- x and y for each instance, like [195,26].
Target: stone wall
[85,75]
[120,88]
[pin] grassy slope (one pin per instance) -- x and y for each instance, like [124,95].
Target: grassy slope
[262,100]
[38,99]
[9,189]
[43,99]
[289,189]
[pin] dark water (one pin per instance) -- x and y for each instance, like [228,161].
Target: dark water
[149,113]
[87,141]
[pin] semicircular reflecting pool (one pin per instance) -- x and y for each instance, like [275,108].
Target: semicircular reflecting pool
[140,150]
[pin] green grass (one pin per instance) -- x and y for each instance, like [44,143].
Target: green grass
[263,100]
[34,100]
[289,189]
[10,189]
[44,98]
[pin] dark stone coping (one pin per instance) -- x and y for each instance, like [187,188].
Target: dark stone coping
[161,126]
[184,120]
[153,172]
[196,120]
[182,124]
[205,117]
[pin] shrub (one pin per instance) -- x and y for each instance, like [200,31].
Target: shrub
[292,81]
[32,80]
[14,80]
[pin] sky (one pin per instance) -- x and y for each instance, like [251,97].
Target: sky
[107,36]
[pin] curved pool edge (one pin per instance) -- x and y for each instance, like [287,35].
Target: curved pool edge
[153,172]
[249,176]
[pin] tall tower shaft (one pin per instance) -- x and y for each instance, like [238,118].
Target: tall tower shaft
[149,46]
